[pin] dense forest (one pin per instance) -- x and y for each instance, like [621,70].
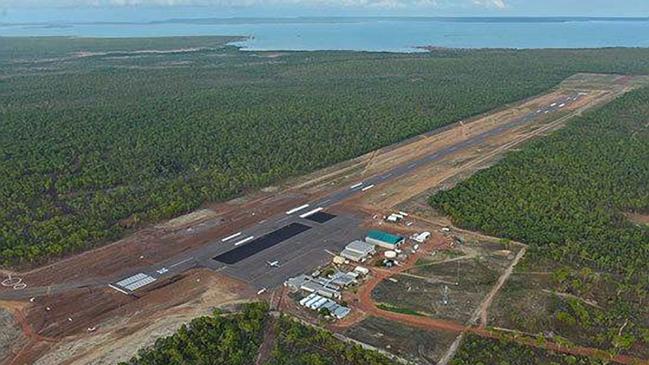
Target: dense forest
[98,137]
[567,193]
[235,339]
[476,350]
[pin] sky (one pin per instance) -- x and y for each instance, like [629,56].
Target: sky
[35,10]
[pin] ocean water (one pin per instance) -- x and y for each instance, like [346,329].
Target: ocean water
[360,34]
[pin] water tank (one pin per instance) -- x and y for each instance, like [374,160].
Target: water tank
[390,254]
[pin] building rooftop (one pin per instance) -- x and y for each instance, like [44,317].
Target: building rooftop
[360,246]
[353,255]
[384,236]
[343,279]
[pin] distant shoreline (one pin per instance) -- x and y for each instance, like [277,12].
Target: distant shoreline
[338,20]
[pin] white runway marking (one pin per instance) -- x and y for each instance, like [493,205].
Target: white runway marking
[325,202]
[231,237]
[386,176]
[297,209]
[367,187]
[312,212]
[244,240]
[355,186]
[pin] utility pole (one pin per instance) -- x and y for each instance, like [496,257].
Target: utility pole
[445,295]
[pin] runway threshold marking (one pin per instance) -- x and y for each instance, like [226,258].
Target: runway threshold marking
[356,185]
[231,236]
[297,209]
[244,240]
[367,187]
[312,212]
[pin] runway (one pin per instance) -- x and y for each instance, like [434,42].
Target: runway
[244,252]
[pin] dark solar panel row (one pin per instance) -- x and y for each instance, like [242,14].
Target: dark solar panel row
[264,242]
[321,217]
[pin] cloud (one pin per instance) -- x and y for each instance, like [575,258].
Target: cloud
[500,4]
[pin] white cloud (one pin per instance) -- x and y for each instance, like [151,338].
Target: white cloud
[500,4]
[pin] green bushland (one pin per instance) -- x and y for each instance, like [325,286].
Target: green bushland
[232,339]
[92,147]
[235,339]
[566,194]
[476,350]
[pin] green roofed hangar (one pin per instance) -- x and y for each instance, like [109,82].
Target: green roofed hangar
[384,239]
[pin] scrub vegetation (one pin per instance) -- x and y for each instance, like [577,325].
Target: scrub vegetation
[297,344]
[566,195]
[476,350]
[99,137]
[220,339]
[235,339]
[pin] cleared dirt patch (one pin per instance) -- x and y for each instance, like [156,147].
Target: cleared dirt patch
[642,219]
[414,344]
[108,326]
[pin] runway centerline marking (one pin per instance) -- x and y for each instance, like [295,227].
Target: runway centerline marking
[297,209]
[231,236]
[356,185]
[312,212]
[244,240]
[367,187]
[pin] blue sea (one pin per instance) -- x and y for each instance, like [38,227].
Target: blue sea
[346,33]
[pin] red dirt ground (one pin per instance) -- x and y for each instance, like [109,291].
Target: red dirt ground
[44,328]
[363,302]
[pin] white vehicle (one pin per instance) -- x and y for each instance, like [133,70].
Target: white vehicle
[261,291]
[273,263]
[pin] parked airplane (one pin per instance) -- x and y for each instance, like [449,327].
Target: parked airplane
[273,263]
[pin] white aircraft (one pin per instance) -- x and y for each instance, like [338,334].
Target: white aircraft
[273,263]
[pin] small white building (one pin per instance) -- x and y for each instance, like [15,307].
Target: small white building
[421,237]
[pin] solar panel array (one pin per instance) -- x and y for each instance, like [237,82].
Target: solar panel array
[136,281]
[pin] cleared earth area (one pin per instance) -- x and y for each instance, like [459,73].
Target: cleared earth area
[449,285]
